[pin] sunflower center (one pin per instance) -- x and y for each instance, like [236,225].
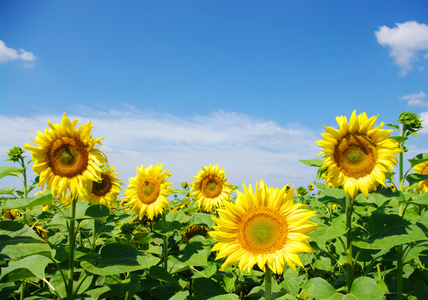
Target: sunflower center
[212,186]
[68,157]
[262,231]
[355,155]
[149,190]
[102,188]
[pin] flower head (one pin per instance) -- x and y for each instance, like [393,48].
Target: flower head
[106,191]
[15,154]
[422,168]
[264,227]
[357,155]
[65,158]
[147,192]
[211,189]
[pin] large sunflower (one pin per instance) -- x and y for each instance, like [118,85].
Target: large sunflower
[358,155]
[106,191]
[65,158]
[263,227]
[147,191]
[422,168]
[210,189]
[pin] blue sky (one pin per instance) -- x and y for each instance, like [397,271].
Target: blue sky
[247,85]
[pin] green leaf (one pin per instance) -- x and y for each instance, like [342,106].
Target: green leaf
[374,198]
[178,216]
[386,231]
[399,139]
[319,288]
[14,171]
[335,195]
[130,285]
[6,191]
[40,199]
[312,162]
[180,191]
[181,295]
[418,159]
[414,178]
[18,240]
[364,288]
[326,233]
[203,219]
[115,259]
[161,274]
[206,288]
[421,199]
[226,297]
[393,126]
[97,211]
[35,264]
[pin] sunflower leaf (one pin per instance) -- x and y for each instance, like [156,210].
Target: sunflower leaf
[393,126]
[312,162]
[418,159]
[366,288]
[414,178]
[13,171]
[399,138]
[40,199]
[6,191]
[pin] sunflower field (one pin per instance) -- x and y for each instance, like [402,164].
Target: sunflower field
[357,231]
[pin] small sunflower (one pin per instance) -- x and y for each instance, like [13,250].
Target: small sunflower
[194,230]
[147,192]
[263,227]
[422,168]
[311,187]
[392,187]
[106,191]
[65,158]
[211,189]
[358,155]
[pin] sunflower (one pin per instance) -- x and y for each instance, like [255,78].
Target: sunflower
[106,191]
[65,158]
[263,227]
[358,155]
[422,168]
[211,189]
[194,230]
[147,191]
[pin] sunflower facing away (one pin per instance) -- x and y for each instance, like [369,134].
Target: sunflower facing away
[106,191]
[211,189]
[147,192]
[263,227]
[358,155]
[422,168]
[65,158]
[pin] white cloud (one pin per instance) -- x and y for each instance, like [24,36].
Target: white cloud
[416,99]
[424,119]
[248,149]
[10,54]
[405,41]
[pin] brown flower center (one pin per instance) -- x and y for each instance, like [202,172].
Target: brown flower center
[263,231]
[68,157]
[102,188]
[211,186]
[355,155]
[149,190]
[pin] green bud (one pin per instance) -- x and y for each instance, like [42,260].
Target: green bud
[15,154]
[410,121]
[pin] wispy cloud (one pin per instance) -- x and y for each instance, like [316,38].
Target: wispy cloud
[416,99]
[406,41]
[247,148]
[9,54]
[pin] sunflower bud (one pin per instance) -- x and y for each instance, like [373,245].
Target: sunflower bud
[410,121]
[15,154]
[184,185]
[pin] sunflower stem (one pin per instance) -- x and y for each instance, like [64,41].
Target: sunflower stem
[71,244]
[268,283]
[165,243]
[349,265]
[401,213]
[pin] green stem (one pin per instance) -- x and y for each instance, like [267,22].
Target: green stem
[349,267]
[401,213]
[24,180]
[268,283]
[71,244]
[165,243]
